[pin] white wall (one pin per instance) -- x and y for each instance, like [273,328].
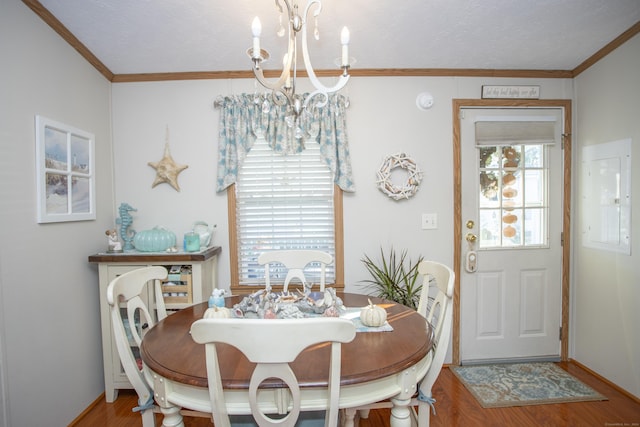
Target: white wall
[382,120]
[606,337]
[49,309]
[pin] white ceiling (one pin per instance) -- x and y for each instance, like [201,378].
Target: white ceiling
[157,36]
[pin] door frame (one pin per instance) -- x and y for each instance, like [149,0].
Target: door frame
[458,104]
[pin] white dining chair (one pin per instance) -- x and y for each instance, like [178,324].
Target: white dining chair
[127,291]
[438,310]
[272,345]
[295,261]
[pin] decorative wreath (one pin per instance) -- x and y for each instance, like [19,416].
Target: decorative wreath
[406,190]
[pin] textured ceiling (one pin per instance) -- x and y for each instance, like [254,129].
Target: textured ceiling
[159,36]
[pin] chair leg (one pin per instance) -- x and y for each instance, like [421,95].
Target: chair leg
[424,413]
[148,418]
[348,418]
[171,417]
[425,406]
[364,413]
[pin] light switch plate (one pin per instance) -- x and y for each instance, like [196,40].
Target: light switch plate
[429,221]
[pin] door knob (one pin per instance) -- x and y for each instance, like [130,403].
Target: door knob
[471,238]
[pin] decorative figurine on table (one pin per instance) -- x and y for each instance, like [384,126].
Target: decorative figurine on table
[125,222]
[113,244]
[217,298]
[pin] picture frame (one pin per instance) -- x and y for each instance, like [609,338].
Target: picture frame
[510,92]
[65,169]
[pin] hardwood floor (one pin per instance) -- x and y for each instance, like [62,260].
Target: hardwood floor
[455,407]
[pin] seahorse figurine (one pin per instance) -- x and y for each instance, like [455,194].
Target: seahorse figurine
[125,222]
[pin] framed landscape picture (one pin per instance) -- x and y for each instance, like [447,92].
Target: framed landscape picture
[65,166]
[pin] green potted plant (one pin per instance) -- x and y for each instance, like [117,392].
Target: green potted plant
[394,278]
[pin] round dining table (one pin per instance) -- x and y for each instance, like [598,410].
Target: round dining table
[375,366]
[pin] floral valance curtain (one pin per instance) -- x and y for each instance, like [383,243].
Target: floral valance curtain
[245,117]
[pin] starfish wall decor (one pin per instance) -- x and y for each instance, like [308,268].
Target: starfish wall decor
[167,169]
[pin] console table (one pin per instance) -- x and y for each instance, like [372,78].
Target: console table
[195,278]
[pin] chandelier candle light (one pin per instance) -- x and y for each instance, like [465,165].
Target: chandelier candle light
[284,89]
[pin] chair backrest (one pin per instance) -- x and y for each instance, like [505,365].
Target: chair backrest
[439,313]
[268,344]
[125,292]
[295,261]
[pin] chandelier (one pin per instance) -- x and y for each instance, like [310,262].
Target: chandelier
[283,90]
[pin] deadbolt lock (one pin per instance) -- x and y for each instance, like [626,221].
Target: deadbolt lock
[470,224]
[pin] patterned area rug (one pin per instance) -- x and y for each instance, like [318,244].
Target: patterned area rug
[519,384]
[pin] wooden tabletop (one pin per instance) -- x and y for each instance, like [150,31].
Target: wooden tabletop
[168,350]
[155,257]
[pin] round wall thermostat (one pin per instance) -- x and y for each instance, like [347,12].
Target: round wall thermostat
[424,101]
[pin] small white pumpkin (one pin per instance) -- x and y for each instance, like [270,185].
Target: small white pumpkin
[217,312]
[373,315]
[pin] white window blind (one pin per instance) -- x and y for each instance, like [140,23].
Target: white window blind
[283,202]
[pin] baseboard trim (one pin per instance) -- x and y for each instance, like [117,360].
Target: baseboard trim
[604,380]
[79,418]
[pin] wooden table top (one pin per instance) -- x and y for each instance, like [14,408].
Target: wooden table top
[155,257]
[169,350]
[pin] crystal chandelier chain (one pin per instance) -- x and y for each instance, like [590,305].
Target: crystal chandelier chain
[284,88]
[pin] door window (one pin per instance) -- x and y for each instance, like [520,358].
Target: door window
[513,201]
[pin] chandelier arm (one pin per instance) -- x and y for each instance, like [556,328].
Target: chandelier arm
[318,4]
[322,103]
[279,86]
[280,100]
[257,70]
[279,6]
[320,88]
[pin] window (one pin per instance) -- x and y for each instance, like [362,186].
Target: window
[513,196]
[283,202]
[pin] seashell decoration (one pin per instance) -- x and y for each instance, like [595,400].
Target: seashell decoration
[509,192]
[264,304]
[167,170]
[511,159]
[508,179]
[509,231]
[511,164]
[331,312]
[509,218]
[407,189]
